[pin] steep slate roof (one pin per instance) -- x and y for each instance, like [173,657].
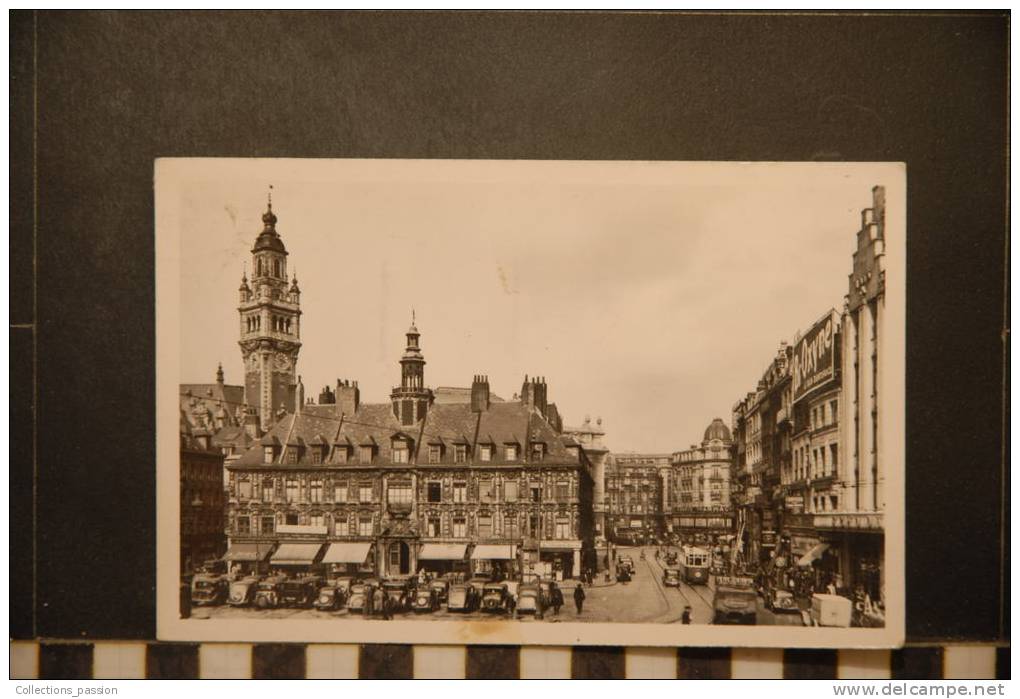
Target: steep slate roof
[233,436]
[502,423]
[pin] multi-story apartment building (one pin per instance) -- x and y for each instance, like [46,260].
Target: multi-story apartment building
[202,498]
[700,509]
[637,491]
[591,436]
[763,426]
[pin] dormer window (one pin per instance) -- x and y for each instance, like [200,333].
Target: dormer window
[366,453]
[401,448]
[292,455]
[511,452]
[485,452]
[460,454]
[435,453]
[340,454]
[537,451]
[267,455]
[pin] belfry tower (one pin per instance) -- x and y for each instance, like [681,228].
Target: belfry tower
[270,312]
[411,399]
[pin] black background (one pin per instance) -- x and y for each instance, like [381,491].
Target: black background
[110,92]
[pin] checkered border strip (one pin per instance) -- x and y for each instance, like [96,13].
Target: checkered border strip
[53,660]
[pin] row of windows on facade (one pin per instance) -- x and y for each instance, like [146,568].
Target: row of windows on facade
[818,462]
[291,490]
[513,526]
[701,523]
[400,453]
[824,415]
[201,472]
[278,324]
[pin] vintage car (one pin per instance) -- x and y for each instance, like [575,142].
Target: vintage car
[267,592]
[331,597]
[208,589]
[671,577]
[622,574]
[425,600]
[496,598]
[299,592]
[441,586]
[735,601]
[781,601]
[400,592]
[462,598]
[626,562]
[242,592]
[478,582]
[360,592]
[530,600]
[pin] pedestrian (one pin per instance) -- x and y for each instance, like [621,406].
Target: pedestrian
[579,598]
[686,617]
[557,600]
[387,607]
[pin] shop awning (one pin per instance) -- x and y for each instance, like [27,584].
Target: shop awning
[493,552]
[296,554]
[813,555]
[443,552]
[348,552]
[248,552]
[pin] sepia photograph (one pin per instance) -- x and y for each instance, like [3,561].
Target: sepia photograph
[530,402]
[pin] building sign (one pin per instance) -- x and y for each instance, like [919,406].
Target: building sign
[850,521]
[795,503]
[814,357]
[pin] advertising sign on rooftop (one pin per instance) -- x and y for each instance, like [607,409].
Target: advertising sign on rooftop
[814,356]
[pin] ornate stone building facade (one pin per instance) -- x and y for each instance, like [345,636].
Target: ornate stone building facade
[700,510]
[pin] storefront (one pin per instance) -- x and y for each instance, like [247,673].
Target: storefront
[296,558]
[495,559]
[561,559]
[440,559]
[350,558]
[248,556]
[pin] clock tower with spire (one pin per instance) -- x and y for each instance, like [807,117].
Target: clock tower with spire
[270,314]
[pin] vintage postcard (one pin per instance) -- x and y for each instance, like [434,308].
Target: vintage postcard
[531,402]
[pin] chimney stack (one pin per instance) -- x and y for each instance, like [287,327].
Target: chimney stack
[480,393]
[347,397]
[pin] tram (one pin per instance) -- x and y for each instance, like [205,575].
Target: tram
[694,564]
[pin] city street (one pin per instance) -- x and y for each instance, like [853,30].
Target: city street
[643,600]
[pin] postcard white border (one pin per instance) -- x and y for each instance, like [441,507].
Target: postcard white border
[171,174]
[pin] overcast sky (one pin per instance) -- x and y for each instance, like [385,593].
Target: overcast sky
[651,294]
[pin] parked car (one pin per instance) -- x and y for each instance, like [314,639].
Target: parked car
[242,592]
[626,562]
[299,592]
[441,586]
[400,592]
[781,601]
[478,582]
[267,592]
[671,577]
[462,598]
[496,598]
[622,574]
[426,600]
[331,597]
[208,589]
[530,600]
[360,591]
